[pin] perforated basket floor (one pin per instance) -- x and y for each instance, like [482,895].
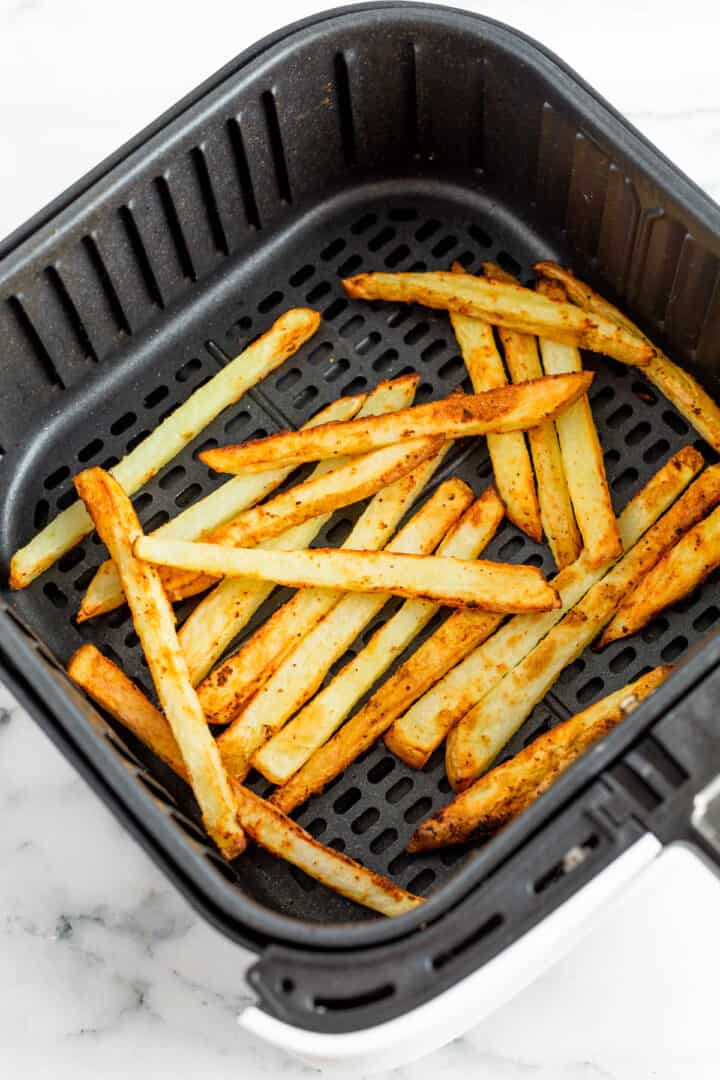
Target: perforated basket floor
[372,809]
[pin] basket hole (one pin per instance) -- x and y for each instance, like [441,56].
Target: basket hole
[116,618]
[510,265]
[399,790]
[317,827]
[511,548]
[637,434]
[427,229]
[603,398]
[402,213]
[622,660]
[589,690]
[452,368]
[617,419]
[270,301]
[674,649]
[424,393]
[158,519]
[397,255]
[71,559]
[480,236]
[334,248]
[444,246]
[611,458]
[484,469]
[136,439]
[172,477]
[235,423]
[418,809]
[399,316]
[416,333]
[123,423]
[656,451]
[287,985]
[655,629]
[338,532]
[305,397]
[678,425]
[400,863]
[351,264]
[368,342]
[335,308]
[380,239]
[156,790]
[347,800]
[383,841]
[320,353]
[57,477]
[155,397]
[304,881]
[706,619]
[355,385]
[190,828]
[318,291]
[642,391]
[188,495]
[454,855]
[363,223]
[185,372]
[348,329]
[66,499]
[289,379]
[208,444]
[382,769]
[533,559]
[626,479]
[385,360]
[88,452]
[131,640]
[366,820]
[433,351]
[302,275]
[421,882]
[55,595]
[572,671]
[567,864]
[337,844]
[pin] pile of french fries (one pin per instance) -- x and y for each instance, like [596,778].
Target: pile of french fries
[508,633]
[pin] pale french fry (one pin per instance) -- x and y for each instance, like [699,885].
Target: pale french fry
[224,692]
[679,572]
[678,385]
[264,823]
[506,408]
[492,586]
[304,668]
[508,789]
[511,306]
[582,453]
[281,341]
[556,512]
[508,452]
[287,751]
[222,614]
[482,733]
[118,526]
[415,736]
[104,592]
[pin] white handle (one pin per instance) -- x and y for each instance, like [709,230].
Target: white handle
[444,1018]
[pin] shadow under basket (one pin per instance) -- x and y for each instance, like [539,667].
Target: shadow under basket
[378,137]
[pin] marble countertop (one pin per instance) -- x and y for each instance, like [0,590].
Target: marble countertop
[104,970]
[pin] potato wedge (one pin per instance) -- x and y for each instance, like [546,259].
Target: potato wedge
[507,408]
[264,823]
[482,733]
[222,614]
[556,512]
[511,306]
[118,526]
[104,592]
[582,453]
[302,671]
[508,789]
[281,341]
[415,735]
[508,452]
[678,385]
[679,572]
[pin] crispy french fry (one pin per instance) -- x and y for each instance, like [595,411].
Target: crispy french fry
[508,452]
[511,306]
[281,341]
[508,789]
[224,692]
[118,526]
[264,823]
[482,733]
[415,736]
[678,385]
[679,572]
[222,614]
[556,512]
[582,453]
[304,668]
[104,592]
[506,408]
[287,751]
[492,586]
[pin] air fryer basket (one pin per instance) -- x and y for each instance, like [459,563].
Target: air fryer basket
[382,136]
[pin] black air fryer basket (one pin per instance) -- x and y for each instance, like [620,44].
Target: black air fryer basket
[380,136]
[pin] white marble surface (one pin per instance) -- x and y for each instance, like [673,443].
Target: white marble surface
[104,970]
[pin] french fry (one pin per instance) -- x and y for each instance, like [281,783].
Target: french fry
[118,526]
[582,453]
[224,692]
[679,572]
[678,385]
[556,512]
[264,823]
[506,408]
[511,306]
[508,789]
[304,668]
[414,736]
[104,592]
[482,733]
[281,341]
[492,586]
[508,452]
[287,751]
[222,614]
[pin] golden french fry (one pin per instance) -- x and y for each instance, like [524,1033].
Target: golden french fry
[508,452]
[556,512]
[222,614]
[482,733]
[511,306]
[507,408]
[415,736]
[281,341]
[508,789]
[118,526]
[678,385]
[304,668]
[104,592]
[679,572]
[264,823]
[582,453]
